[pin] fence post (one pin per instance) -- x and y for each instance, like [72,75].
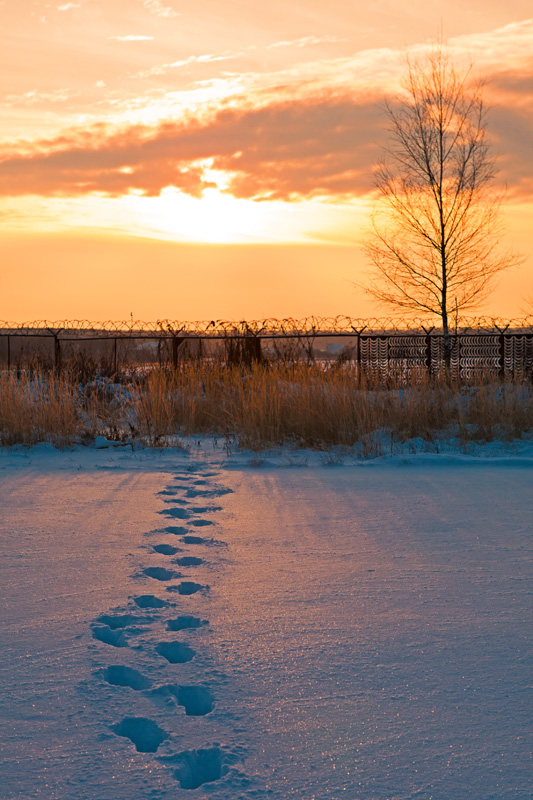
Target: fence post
[57,353]
[501,351]
[115,363]
[174,352]
[427,331]
[8,352]
[502,355]
[359,354]
[254,347]
[177,341]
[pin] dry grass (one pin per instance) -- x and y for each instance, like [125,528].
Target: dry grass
[304,405]
[35,410]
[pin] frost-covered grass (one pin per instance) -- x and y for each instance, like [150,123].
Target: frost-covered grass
[303,405]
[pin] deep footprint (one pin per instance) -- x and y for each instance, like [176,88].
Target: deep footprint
[189,561]
[200,523]
[207,492]
[175,530]
[187,588]
[160,573]
[196,540]
[205,509]
[126,676]
[149,601]
[185,621]
[109,636]
[166,549]
[122,620]
[196,767]
[145,734]
[197,700]
[175,652]
[179,513]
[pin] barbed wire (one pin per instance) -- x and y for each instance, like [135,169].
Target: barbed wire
[308,326]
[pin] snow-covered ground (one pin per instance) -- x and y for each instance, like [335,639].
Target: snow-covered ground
[202,625]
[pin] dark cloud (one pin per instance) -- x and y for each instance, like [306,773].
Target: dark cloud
[287,149]
[512,83]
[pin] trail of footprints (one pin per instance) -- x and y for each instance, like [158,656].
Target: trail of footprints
[191,768]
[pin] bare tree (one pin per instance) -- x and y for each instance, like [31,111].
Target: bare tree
[437,219]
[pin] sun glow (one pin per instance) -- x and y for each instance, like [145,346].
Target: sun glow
[215,217]
[219,218]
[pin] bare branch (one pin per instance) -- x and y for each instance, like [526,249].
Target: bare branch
[435,228]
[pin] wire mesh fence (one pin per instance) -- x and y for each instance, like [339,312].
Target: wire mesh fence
[379,347]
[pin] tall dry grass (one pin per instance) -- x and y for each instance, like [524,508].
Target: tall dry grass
[37,409]
[261,407]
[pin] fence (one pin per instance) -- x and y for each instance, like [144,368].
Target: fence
[379,347]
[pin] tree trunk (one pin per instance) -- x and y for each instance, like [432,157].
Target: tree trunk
[446,341]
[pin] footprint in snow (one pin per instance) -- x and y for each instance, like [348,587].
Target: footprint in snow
[218,492]
[145,734]
[150,601]
[196,540]
[166,549]
[188,588]
[178,513]
[193,768]
[126,676]
[189,561]
[200,523]
[191,539]
[161,573]
[122,620]
[107,635]
[197,700]
[175,530]
[175,652]
[205,509]
[185,621]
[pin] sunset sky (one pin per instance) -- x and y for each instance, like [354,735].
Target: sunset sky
[186,160]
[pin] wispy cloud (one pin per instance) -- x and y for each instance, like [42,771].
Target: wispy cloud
[305,41]
[208,58]
[68,6]
[132,38]
[157,8]
[34,97]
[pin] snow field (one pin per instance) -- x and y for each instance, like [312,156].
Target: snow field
[320,633]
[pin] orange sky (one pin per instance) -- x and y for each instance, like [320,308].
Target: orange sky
[185,160]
